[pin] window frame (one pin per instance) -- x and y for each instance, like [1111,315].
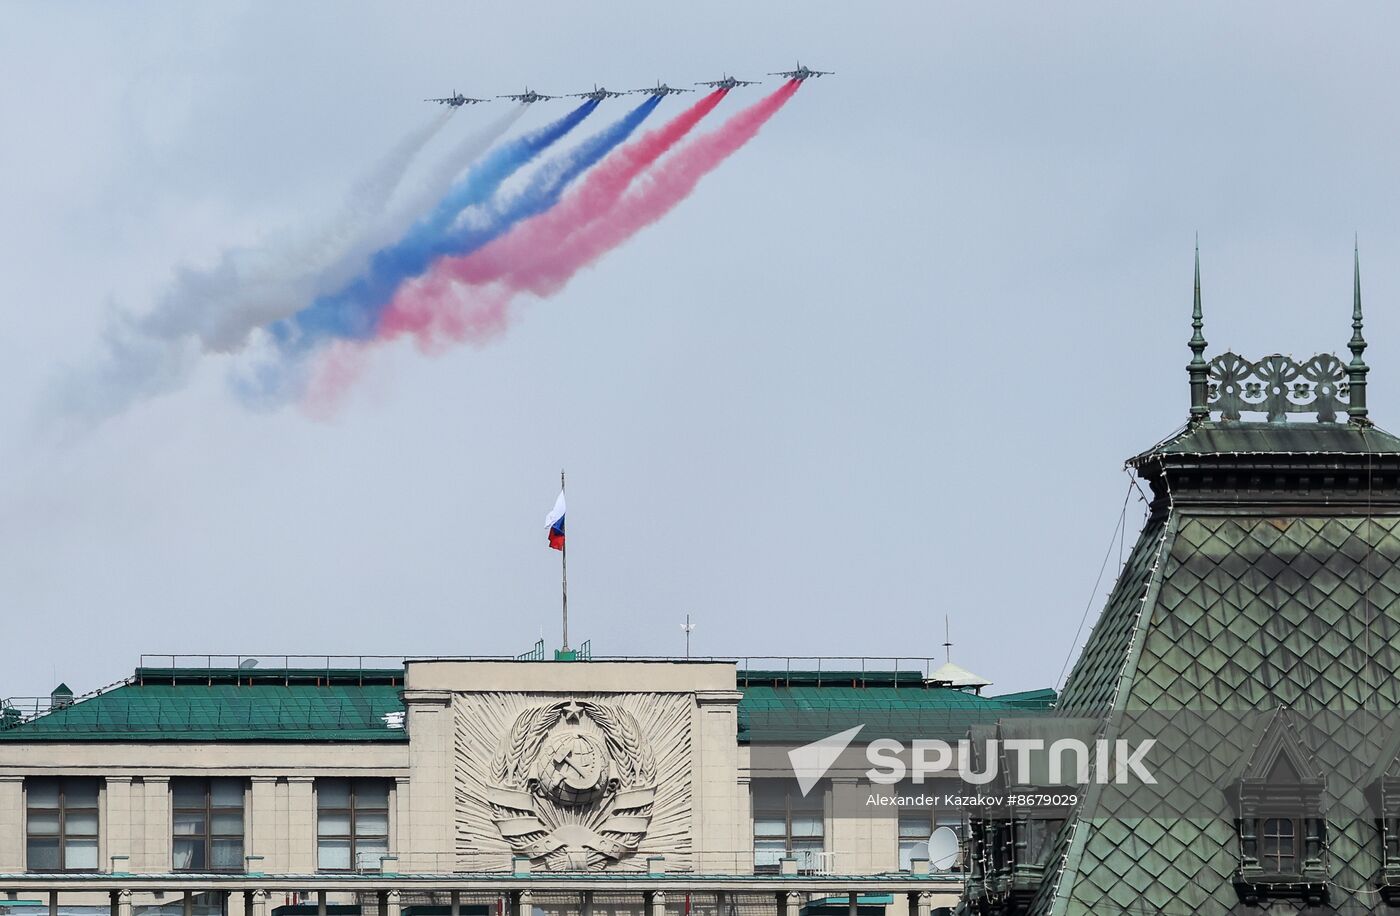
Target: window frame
[763,808]
[209,836]
[61,834]
[352,813]
[1274,862]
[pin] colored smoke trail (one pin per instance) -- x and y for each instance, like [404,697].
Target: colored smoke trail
[547,185]
[250,286]
[353,311]
[439,307]
[419,199]
[599,190]
[659,192]
[215,308]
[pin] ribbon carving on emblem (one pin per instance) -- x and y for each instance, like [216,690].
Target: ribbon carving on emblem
[574,785]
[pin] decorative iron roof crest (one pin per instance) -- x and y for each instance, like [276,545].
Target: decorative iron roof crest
[1230,386]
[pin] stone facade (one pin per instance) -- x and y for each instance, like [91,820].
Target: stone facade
[505,778]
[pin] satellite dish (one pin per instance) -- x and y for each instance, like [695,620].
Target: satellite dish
[942,849]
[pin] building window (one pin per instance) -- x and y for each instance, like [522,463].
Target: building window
[787,823]
[917,824]
[1280,837]
[352,824]
[61,818]
[207,819]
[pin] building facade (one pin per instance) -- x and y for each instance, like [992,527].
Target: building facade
[444,785]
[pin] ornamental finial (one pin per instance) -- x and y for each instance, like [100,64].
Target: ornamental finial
[1357,368]
[1196,370]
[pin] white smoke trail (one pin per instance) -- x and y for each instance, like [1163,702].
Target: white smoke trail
[250,286]
[216,309]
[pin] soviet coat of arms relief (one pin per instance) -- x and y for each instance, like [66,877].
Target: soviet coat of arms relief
[574,784]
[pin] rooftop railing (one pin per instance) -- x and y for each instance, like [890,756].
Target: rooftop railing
[779,670]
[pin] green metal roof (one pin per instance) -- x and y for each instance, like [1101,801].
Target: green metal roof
[222,712]
[351,705]
[804,713]
[1239,438]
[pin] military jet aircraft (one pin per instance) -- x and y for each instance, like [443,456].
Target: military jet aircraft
[802,73]
[661,90]
[598,94]
[529,96]
[727,83]
[457,100]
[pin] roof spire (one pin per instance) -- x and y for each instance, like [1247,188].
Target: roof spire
[1357,368]
[1196,370]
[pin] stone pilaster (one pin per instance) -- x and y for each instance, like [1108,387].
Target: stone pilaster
[11,824]
[156,852]
[117,820]
[431,808]
[719,829]
[260,824]
[301,824]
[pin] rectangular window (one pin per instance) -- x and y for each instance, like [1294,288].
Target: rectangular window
[787,823]
[62,824]
[207,824]
[352,824]
[917,824]
[1279,839]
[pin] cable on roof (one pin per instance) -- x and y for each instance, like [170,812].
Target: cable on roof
[1088,605]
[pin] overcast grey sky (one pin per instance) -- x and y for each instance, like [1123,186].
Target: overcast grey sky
[883,366]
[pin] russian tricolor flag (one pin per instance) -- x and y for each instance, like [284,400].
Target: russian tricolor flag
[554,521]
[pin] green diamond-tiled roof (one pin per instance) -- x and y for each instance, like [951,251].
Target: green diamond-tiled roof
[1222,610]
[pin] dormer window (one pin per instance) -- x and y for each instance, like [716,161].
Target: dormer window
[1281,826]
[1385,796]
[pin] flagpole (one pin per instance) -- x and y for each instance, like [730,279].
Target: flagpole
[564,574]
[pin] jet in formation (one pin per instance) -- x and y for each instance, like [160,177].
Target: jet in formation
[727,83]
[803,73]
[528,97]
[661,90]
[457,100]
[598,94]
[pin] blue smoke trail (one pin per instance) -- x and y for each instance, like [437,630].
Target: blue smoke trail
[351,312]
[548,184]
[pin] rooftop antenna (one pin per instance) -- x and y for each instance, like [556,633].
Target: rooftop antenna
[687,626]
[1197,370]
[947,640]
[1357,368]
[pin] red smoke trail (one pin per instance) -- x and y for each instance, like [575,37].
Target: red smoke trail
[437,309]
[600,189]
[444,303]
[660,191]
[420,306]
